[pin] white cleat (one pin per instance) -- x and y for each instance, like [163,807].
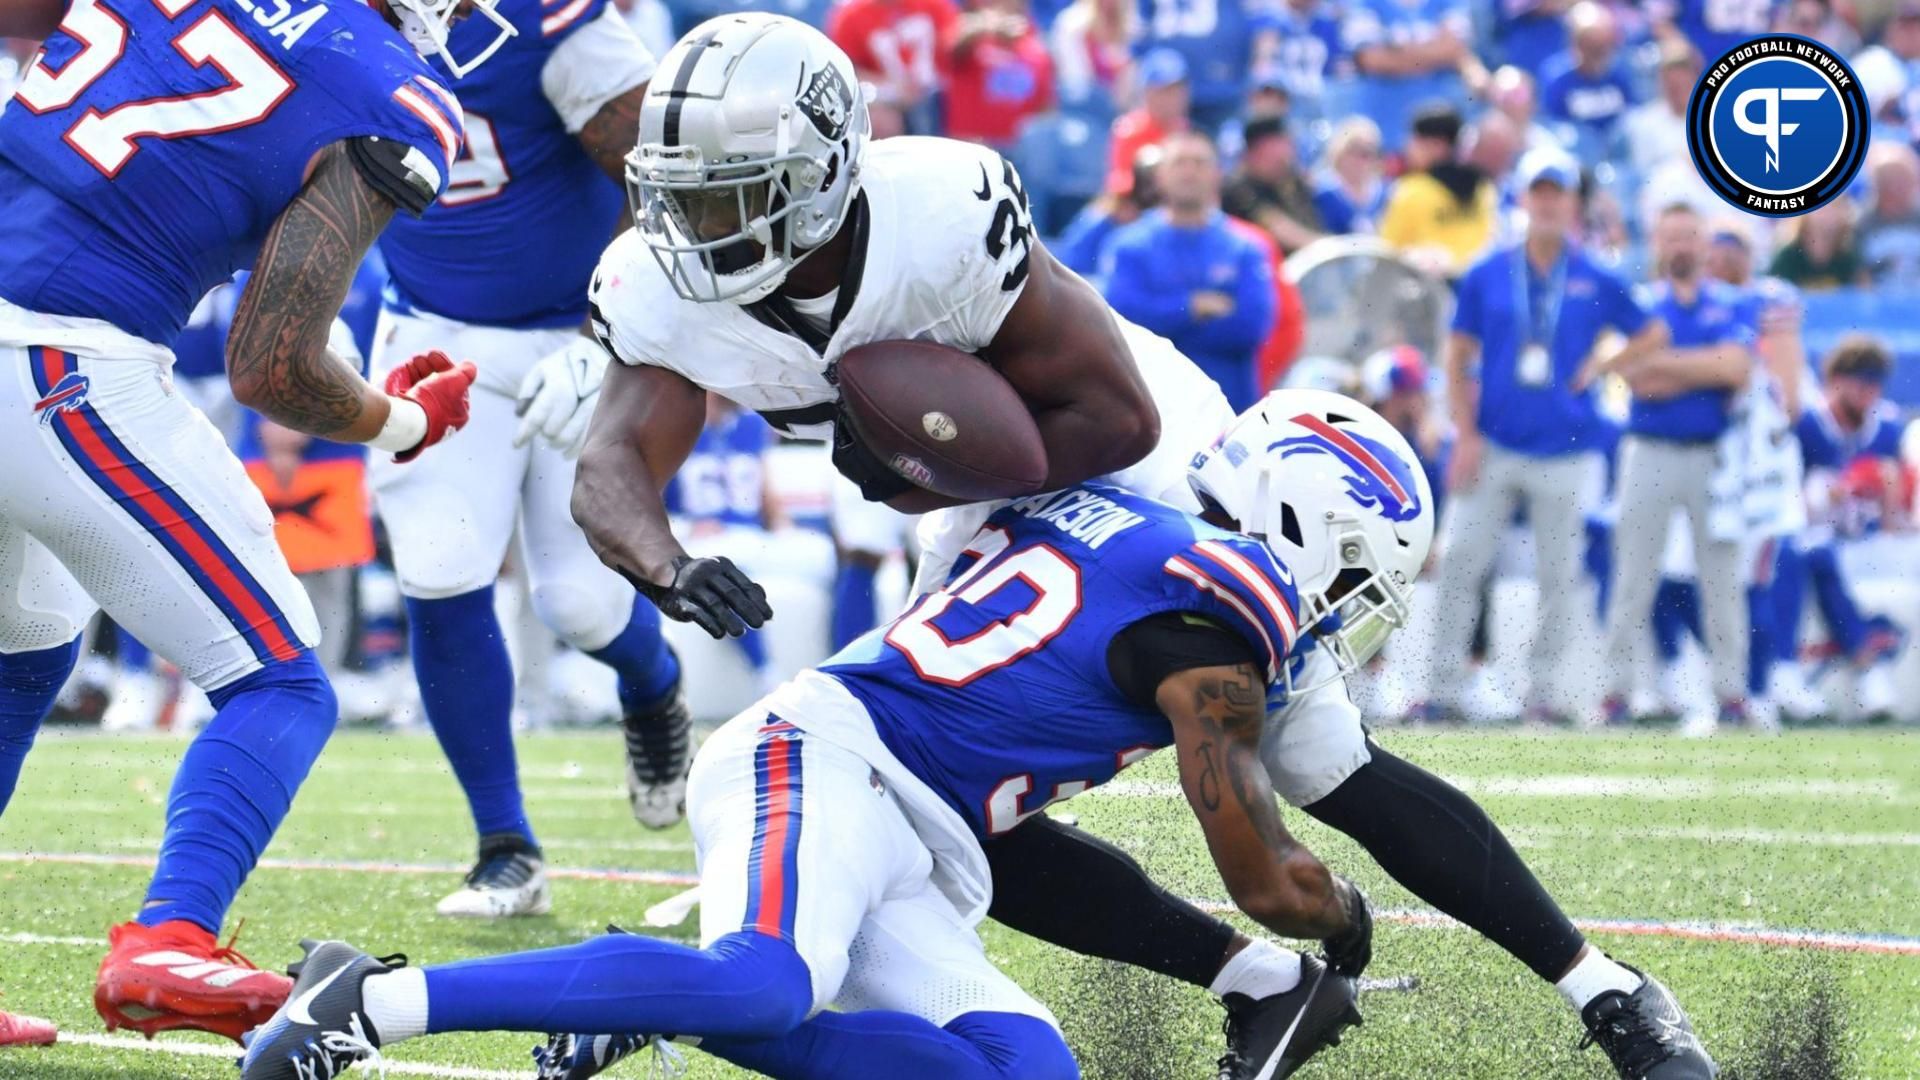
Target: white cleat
[1700,723]
[508,881]
[1873,693]
[1787,684]
[138,698]
[659,754]
[1483,702]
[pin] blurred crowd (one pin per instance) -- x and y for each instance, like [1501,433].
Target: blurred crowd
[1198,160]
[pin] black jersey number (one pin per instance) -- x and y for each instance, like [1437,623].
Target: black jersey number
[1012,226]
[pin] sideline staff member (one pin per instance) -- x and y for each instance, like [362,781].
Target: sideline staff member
[1530,313]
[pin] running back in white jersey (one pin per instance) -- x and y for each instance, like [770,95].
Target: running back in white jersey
[944,256]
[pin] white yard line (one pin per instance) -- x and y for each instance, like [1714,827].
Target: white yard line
[209,1050]
[1648,787]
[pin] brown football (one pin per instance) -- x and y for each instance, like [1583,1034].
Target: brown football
[942,419]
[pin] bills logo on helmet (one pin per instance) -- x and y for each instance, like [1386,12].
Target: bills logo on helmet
[828,102]
[1376,476]
[67,395]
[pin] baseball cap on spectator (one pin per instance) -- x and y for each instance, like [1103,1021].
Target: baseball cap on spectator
[1263,127]
[1162,67]
[1391,371]
[1438,121]
[1546,165]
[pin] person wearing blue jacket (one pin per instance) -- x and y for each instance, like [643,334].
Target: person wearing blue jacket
[1188,273]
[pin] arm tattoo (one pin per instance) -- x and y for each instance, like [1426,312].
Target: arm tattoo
[610,136]
[1209,782]
[1232,711]
[277,358]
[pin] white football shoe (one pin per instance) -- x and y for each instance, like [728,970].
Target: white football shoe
[659,754]
[1787,684]
[138,698]
[1873,693]
[508,881]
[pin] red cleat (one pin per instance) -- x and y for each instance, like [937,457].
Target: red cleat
[177,976]
[17,1030]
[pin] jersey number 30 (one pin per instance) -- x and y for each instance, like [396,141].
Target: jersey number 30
[1051,578]
[105,137]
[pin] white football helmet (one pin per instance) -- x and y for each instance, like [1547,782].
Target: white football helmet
[1338,495]
[427,23]
[751,139]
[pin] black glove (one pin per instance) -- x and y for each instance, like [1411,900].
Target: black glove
[1349,951]
[876,481]
[712,594]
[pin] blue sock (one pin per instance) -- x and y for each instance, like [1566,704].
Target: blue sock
[746,985]
[234,787]
[1673,602]
[852,602]
[1789,593]
[1836,604]
[29,681]
[981,1045]
[134,654]
[466,686]
[1759,638]
[647,668]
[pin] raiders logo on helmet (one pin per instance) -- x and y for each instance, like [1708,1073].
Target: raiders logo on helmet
[828,102]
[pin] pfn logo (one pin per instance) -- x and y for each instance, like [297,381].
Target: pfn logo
[1769,126]
[1778,125]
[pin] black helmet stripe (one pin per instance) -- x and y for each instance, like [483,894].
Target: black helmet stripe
[677,97]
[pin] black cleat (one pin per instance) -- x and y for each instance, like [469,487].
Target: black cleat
[323,1029]
[508,881]
[1274,1036]
[659,753]
[577,1057]
[1646,1035]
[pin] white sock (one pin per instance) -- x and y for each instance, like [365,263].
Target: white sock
[1594,976]
[1260,970]
[397,1004]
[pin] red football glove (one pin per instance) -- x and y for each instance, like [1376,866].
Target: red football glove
[439,386]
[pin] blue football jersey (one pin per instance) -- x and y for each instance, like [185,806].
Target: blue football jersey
[1309,52]
[995,690]
[724,480]
[514,240]
[154,142]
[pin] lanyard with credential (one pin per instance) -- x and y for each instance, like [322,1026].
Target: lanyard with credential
[1541,328]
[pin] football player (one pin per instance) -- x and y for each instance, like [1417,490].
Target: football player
[497,273]
[769,242]
[154,147]
[839,822]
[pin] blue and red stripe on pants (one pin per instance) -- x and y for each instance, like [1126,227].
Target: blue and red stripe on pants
[164,514]
[772,874]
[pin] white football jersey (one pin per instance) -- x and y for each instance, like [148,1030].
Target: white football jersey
[948,238]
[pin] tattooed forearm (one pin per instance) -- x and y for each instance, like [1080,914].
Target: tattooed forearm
[1233,703]
[1209,781]
[610,136]
[277,357]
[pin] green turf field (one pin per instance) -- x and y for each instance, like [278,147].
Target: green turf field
[1814,831]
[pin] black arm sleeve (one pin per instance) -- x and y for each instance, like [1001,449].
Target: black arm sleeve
[1142,656]
[384,164]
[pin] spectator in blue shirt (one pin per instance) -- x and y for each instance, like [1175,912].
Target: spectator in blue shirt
[1668,461]
[1083,247]
[1349,191]
[1185,273]
[1297,44]
[1713,26]
[1528,315]
[1587,88]
[1215,37]
[1409,53]
[1530,31]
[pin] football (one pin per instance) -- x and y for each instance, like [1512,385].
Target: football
[943,419]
